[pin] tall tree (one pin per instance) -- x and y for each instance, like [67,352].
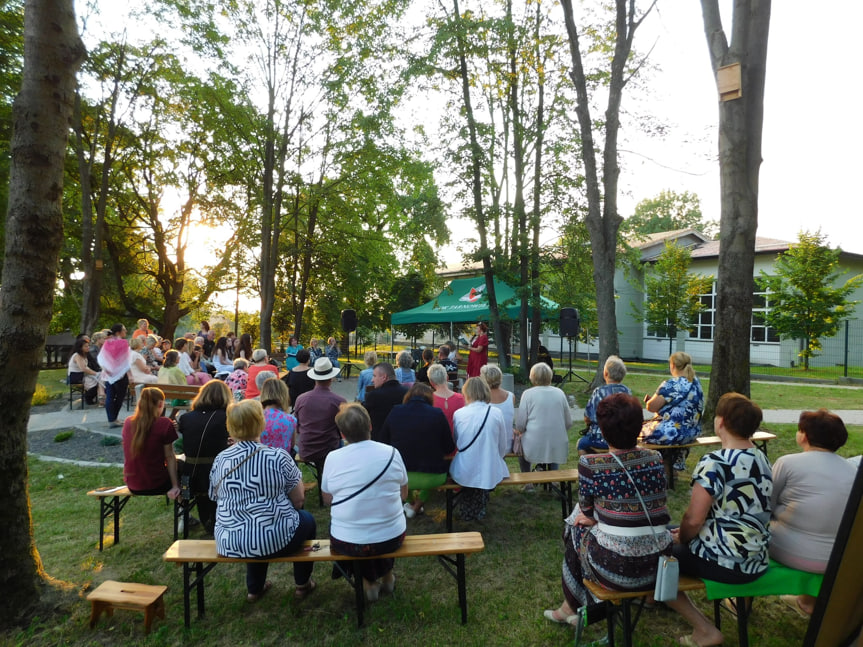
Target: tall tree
[34,233]
[741,117]
[603,219]
[11,55]
[806,300]
[669,211]
[673,295]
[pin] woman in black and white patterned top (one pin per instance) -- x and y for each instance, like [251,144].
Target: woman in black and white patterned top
[259,494]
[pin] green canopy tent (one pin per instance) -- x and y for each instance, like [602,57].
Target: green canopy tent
[465,300]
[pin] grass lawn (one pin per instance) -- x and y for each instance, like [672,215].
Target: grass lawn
[508,585]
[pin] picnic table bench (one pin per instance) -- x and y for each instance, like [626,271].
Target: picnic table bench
[560,482]
[199,557]
[178,396]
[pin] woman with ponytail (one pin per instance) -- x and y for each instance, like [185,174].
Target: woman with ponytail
[150,466]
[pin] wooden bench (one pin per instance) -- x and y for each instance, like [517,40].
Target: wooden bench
[560,482]
[113,499]
[759,439]
[178,392]
[199,557]
[619,603]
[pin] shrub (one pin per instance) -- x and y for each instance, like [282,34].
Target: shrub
[63,436]
[40,396]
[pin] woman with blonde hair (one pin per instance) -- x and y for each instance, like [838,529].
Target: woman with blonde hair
[445,398]
[365,377]
[259,496]
[279,425]
[149,465]
[678,404]
[542,420]
[500,398]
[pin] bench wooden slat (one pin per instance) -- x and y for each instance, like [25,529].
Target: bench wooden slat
[523,478]
[707,441]
[685,583]
[204,550]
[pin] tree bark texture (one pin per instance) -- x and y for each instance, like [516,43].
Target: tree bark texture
[34,234]
[740,131]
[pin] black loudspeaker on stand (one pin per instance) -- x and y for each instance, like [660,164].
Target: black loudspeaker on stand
[569,325]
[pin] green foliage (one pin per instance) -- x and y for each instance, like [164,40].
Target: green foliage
[671,293]
[110,441]
[667,212]
[40,396]
[63,436]
[567,273]
[807,301]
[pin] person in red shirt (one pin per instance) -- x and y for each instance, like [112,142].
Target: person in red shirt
[478,355]
[149,465]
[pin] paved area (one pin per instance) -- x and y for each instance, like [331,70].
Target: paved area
[93,418]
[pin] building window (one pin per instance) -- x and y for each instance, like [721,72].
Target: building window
[707,317]
[760,331]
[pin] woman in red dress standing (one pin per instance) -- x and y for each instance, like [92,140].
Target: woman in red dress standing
[478,356]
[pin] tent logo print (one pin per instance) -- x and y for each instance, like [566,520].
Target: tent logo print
[474,295]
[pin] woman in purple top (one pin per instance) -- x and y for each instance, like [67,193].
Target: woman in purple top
[280,425]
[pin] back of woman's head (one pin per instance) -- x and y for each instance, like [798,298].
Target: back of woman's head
[683,363]
[353,422]
[172,358]
[221,345]
[476,390]
[615,368]
[240,364]
[97,336]
[404,359]
[117,328]
[303,356]
[245,420]
[619,417]
[492,375]
[146,411]
[437,374]
[136,342]
[259,355]
[180,343]
[370,358]
[420,390]
[823,429]
[215,394]
[428,355]
[274,393]
[740,415]
[540,374]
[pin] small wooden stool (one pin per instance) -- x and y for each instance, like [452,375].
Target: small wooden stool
[110,595]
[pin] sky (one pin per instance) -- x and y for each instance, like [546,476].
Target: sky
[812,137]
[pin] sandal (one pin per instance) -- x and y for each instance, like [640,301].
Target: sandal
[555,616]
[303,590]
[254,597]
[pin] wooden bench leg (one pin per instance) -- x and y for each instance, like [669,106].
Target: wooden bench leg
[98,606]
[155,610]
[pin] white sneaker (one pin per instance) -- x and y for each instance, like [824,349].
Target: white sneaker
[409,511]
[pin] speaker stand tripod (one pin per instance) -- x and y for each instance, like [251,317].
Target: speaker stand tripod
[569,374]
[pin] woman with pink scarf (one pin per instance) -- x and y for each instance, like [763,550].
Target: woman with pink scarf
[115,358]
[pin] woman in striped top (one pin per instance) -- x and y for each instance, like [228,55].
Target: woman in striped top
[259,494]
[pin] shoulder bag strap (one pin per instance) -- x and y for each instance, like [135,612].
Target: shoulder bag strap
[638,494]
[370,483]
[234,468]
[473,440]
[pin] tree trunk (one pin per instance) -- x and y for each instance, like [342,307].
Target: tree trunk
[34,234]
[740,125]
[603,220]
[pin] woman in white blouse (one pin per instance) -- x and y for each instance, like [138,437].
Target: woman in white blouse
[193,377]
[500,398]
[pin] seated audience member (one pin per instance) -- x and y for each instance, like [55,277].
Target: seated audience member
[143,329]
[153,359]
[445,360]
[613,372]
[279,425]
[259,497]
[542,420]
[170,372]
[193,377]
[141,373]
[297,378]
[221,358]
[238,379]
[333,353]
[149,464]
[260,378]
[678,404]
[315,352]
[317,433]
[421,434]
[423,371]
[481,440]
[500,398]
[205,433]
[810,490]
[365,377]
[386,394]
[723,535]
[365,482]
[243,349]
[405,373]
[445,398]
[79,371]
[608,537]
[260,362]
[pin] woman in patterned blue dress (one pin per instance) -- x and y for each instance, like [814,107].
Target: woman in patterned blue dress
[678,404]
[259,494]
[724,532]
[608,537]
[613,373]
